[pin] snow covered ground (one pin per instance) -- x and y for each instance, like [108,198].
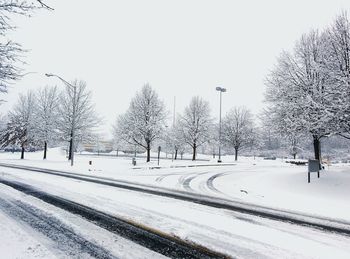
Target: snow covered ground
[270,183]
[233,233]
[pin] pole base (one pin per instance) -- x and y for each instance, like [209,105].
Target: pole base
[219,161]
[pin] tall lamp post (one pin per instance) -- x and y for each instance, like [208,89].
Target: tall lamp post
[221,90]
[74,88]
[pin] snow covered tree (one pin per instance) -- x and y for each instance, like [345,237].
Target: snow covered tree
[270,135]
[2,123]
[46,112]
[118,142]
[177,140]
[309,90]
[294,143]
[195,124]
[20,129]
[77,117]
[144,121]
[299,92]
[11,52]
[338,65]
[238,129]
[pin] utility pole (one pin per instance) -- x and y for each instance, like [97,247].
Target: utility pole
[173,148]
[74,88]
[73,123]
[221,90]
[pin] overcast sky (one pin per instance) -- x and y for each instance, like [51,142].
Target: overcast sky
[181,47]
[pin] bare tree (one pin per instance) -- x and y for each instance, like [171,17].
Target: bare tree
[20,129]
[77,116]
[144,121]
[195,124]
[118,142]
[238,129]
[46,115]
[177,143]
[10,52]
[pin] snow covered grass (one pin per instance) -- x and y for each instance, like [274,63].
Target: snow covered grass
[272,183]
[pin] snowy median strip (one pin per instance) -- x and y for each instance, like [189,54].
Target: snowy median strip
[327,224]
[184,166]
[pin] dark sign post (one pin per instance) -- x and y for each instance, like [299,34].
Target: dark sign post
[313,166]
[159,148]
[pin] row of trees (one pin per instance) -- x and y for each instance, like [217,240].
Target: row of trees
[48,116]
[145,122]
[308,91]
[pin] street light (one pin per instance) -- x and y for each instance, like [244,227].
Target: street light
[73,87]
[221,90]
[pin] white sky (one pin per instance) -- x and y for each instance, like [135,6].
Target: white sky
[182,48]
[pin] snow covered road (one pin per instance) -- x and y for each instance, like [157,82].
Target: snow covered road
[328,224]
[62,236]
[228,232]
[34,229]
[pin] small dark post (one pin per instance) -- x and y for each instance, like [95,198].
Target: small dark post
[308,177]
[22,152]
[45,150]
[159,148]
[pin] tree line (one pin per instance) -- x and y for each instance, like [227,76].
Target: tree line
[145,122]
[45,118]
[48,116]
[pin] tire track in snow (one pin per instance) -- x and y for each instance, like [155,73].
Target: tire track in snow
[64,238]
[185,181]
[210,182]
[154,240]
[163,176]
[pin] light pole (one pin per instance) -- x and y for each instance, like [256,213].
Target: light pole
[74,88]
[221,90]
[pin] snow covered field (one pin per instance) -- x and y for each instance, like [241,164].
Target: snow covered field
[270,183]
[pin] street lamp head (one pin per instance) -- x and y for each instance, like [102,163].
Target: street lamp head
[220,89]
[48,75]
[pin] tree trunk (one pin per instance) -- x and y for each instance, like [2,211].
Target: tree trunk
[294,156]
[45,150]
[236,154]
[175,154]
[22,152]
[148,152]
[317,149]
[70,148]
[194,152]
[117,152]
